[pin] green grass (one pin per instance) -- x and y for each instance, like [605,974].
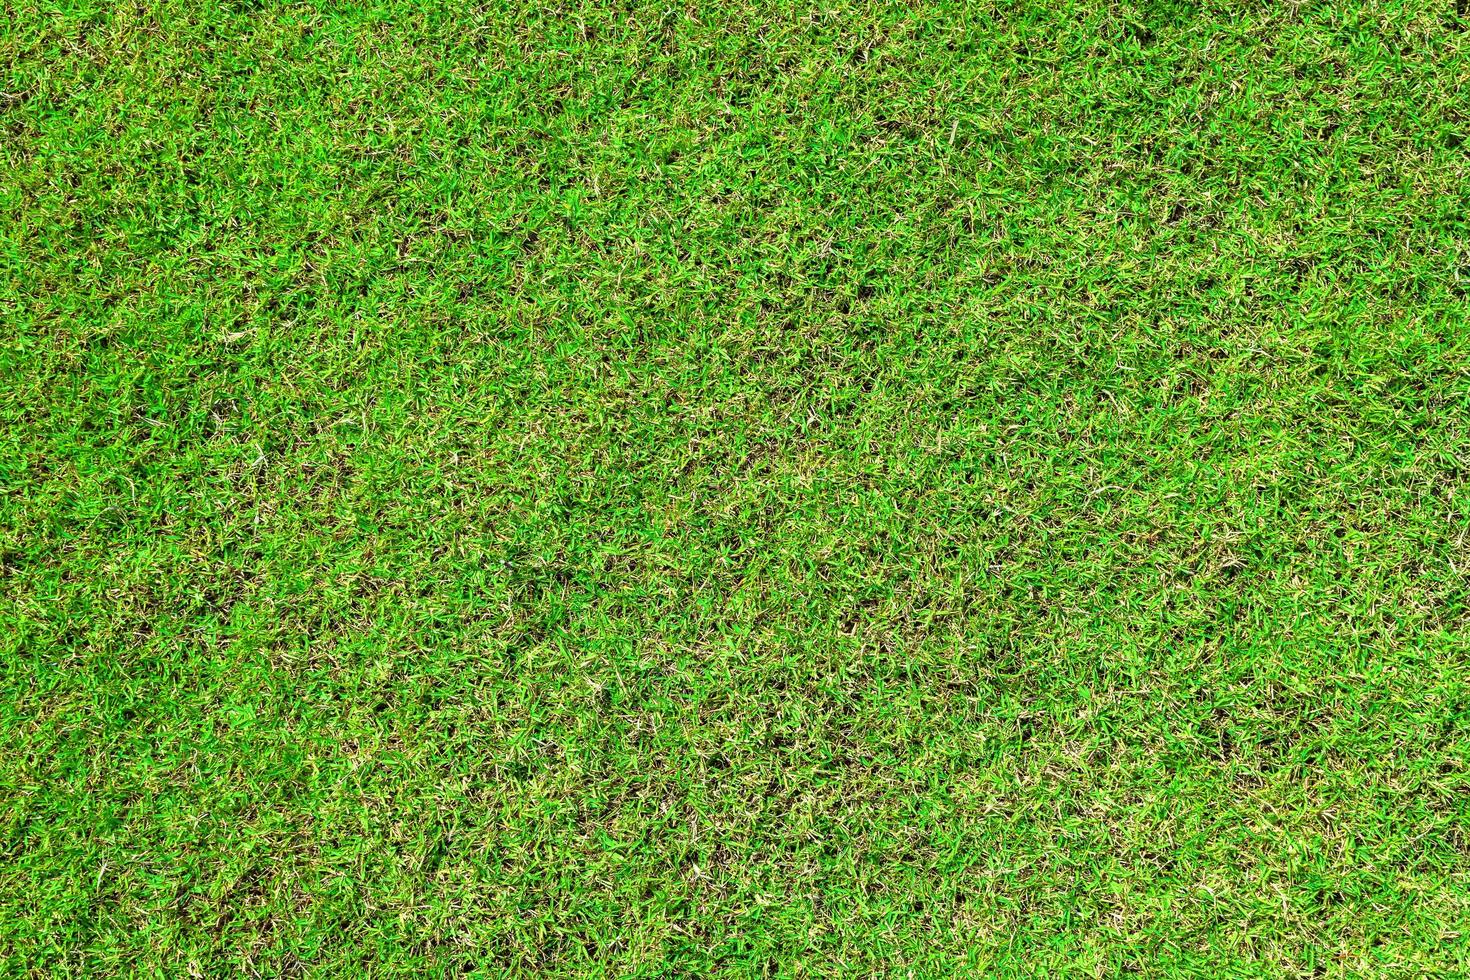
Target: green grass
[924,490]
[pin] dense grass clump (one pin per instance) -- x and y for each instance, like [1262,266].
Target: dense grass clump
[743,490]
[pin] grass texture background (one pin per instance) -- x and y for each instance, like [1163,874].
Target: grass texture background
[736,489]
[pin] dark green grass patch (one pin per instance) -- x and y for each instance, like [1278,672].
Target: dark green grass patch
[946,489]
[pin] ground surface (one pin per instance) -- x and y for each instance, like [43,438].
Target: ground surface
[927,490]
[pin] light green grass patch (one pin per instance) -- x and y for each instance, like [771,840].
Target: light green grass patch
[941,489]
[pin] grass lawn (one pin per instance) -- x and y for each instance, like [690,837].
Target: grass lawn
[941,489]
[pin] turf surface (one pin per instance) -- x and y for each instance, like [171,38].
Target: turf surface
[944,489]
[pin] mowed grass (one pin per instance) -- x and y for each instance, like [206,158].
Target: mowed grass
[942,489]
